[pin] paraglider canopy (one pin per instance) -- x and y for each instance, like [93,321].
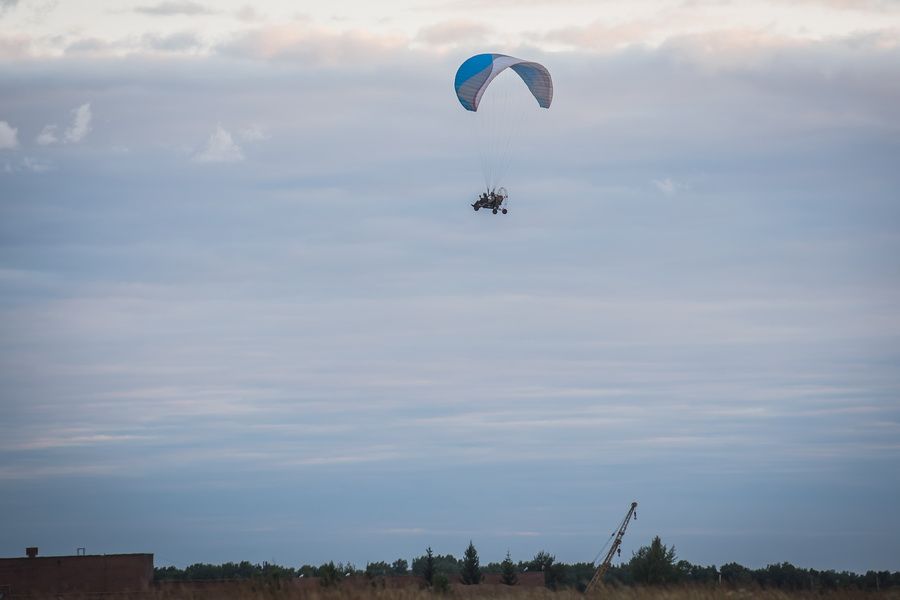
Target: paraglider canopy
[474,76]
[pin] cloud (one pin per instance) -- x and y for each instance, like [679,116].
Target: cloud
[77,131]
[14,47]
[8,136]
[691,27]
[602,36]
[7,4]
[47,136]
[669,186]
[220,147]
[735,47]
[81,123]
[35,165]
[453,32]
[858,5]
[73,437]
[175,42]
[248,14]
[11,472]
[92,46]
[175,8]
[253,133]
[29,164]
[312,44]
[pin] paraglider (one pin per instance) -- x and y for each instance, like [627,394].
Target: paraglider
[492,199]
[499,112]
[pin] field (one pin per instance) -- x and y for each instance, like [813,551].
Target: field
[251,591]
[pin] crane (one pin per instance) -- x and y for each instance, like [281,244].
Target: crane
[601,570]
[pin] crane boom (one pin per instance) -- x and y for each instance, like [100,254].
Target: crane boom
[601,570]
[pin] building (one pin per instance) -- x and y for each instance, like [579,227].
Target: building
[82,574]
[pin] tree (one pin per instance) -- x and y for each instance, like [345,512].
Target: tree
[377,569]
[540,560]
[508,573]
[446,564]
[470,573]
[735,574]
[307,571]
[399,567]
[274,572]
[428,571]
[553,574]
[654,564]
[697,573]
[329,574]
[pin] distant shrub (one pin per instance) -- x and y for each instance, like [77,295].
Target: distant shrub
[441,583]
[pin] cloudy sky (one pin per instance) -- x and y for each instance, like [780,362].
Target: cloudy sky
[247,312]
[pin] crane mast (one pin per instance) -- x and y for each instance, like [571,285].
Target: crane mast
[601,570]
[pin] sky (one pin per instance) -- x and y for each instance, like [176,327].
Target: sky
[247,312]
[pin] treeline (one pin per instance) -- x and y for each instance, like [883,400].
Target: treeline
[655,564]
[229,570]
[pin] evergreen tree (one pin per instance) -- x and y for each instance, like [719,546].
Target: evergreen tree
[470,573]
[508,574]
[654,564]
[428,571]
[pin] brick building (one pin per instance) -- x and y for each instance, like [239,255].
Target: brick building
[83,574]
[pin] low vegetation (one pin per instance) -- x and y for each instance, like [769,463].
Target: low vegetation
[249,591]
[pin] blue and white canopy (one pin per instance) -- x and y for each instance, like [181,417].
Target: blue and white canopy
[474,76]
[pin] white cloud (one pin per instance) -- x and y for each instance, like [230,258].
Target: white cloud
[248,14]
[174,8]
[16,46]
[27,163]
[453,32]
[253,133]
[47,136]
[669,186]
[316,45]
[176,42]
[220,147]
[8,137]
[81,123]
[34,165]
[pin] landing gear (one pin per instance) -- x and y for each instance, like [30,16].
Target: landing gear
[494,211]
[476,208]
[502,210]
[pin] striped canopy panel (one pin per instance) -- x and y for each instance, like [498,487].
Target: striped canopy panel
[474,76]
